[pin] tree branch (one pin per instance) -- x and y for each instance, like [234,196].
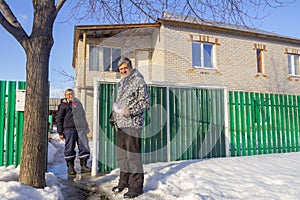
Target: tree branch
[142,10]
[11,24]
[59,5]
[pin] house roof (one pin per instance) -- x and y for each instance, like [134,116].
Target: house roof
[173,19]
[218,26]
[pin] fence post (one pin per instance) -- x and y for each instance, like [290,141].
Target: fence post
[168,126]
[95,128]
[226,123]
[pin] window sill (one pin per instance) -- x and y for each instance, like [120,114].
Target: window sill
[261,75]
[293,78]
[203,70]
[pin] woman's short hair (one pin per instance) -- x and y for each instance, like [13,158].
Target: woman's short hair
[126,61]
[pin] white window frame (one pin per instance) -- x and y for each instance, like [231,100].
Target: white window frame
[202,55]
[292,69]
[98,63]
[101,58]
[111,69]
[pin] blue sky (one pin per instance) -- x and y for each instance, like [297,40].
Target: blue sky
[281,21]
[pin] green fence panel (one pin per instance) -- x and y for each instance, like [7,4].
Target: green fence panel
[237,119]
[243,132]
[273,124]
[268,135]
[248,123]
[11,124]
[232,129]
[19,129]
[182,123]
[282,120]
[107,159]
[297,122]
[2,119]
[10,128]
[253,120]
[263,124]
[291,125]
[154,134]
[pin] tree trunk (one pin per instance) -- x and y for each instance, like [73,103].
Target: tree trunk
[34,154]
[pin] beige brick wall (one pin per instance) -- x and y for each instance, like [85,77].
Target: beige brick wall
[235,62]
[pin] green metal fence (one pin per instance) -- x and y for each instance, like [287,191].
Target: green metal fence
[182,124]
[263,123]
[11,124]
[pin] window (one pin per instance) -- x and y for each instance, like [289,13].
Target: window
[202,55]
[293,64]
[105,58]
[94,58]
[111,57]
[259,60]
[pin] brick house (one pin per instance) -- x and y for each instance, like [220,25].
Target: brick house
[187,50]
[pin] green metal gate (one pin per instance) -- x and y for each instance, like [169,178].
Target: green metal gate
[183,123]
[263,123]
[11,124]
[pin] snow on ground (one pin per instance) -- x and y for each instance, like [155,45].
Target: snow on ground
[273,176]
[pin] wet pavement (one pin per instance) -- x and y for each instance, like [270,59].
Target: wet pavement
[83,189]
[79,187]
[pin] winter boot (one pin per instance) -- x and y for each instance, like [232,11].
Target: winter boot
[71,170]
[84,168]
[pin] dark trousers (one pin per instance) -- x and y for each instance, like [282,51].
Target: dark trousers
[130,159]
[73,137]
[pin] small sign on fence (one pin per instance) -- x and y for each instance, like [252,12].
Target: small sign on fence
[20,100]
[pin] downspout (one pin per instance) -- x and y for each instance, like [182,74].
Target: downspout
[83,79]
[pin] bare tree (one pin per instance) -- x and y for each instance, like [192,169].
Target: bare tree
[64,74]
[38,44]
[37,47]
[236,12]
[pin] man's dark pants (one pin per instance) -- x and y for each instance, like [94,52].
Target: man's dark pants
[130,159]
[71,139]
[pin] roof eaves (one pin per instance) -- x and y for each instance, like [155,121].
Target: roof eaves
[230,29]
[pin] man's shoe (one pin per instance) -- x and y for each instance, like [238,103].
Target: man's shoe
[116,189]
[85,169]
[130,195]
[71,170]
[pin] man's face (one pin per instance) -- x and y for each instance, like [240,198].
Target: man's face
[69,95]
[124,70]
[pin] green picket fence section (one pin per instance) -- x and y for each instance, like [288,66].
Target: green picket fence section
[262,123]
[11,124]
[182,124]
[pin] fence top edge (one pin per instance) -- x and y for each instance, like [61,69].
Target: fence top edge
[164,84]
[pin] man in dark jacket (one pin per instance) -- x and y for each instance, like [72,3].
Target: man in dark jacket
[132,100]
[73,128]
